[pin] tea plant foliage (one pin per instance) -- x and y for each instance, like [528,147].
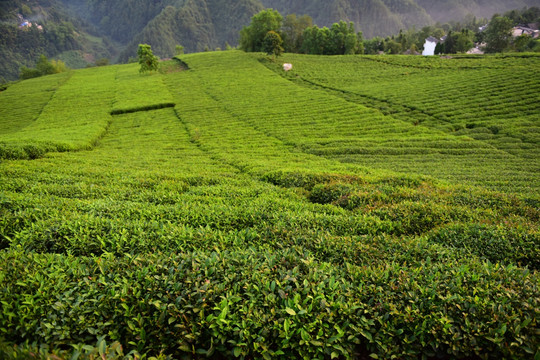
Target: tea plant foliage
[235,211]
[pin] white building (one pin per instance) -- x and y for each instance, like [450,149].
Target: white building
[429,46]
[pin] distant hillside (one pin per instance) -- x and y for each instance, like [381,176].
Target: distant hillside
[198,25]
[80,31]
[447,10]
[30,28]
[372,17]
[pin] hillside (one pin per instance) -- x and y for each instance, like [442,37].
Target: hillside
[213,23]
[31,28]
[469,105]
[448,10]
[198,25]
[231,209]
[82,31]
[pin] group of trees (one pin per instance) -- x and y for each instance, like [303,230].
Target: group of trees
[43,67]
[494,35]
[498,35]
[339,39]
[299,35]
[456,42]
[269,32]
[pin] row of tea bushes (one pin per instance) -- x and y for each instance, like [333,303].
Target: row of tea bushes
[136,92]
[254,303]
[23,101]
[200,232]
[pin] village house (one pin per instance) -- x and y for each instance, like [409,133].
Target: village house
[25,24]
[429,46]
[522,30]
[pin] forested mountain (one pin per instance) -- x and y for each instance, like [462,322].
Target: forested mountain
[198,25]
[29,28]
[372,17]
[81,31]
[447,10]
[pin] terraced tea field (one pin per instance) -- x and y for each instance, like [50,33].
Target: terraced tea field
[230,210]
[487,108]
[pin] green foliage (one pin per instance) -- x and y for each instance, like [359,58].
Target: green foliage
[501,132]
[43,67]
[102,62]
[252,36]
[293,305]
[498,34]
[457,42]
[23,101]
[79,130]
[25,10]
[293,31]
[60,35]
[100,350]
[340,39]
[496,243]
[236,225]
[272,44]
[133,95]
[178,50]
[147,59]
[194,24]
[27,73]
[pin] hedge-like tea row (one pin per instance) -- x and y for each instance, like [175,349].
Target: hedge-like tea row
[23,102]
[254,303]
[496,243]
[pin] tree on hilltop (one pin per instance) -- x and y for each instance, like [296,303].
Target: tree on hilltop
[292,31]
[252,36]
[147,59]
[272,44]
[498,34]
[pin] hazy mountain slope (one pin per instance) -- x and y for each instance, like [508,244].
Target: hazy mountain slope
[29,28]
[446,10]
[121,20]
[387,17]
[197,25]
[373,17]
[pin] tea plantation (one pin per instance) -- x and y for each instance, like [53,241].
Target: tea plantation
[354,208]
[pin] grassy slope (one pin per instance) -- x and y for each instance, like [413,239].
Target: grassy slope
[485,111]
[209,229]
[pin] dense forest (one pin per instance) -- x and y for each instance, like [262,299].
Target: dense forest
[80,32]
